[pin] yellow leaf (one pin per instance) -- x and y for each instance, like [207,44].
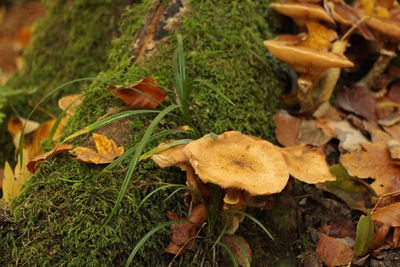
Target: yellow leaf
[107,151]
[13,181]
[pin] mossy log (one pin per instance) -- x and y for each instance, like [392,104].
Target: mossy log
[57,218]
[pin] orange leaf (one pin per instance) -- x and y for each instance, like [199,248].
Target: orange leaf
[148,86]
[107,151]
[59,148]
[389,215]
[374,162]
[332,251]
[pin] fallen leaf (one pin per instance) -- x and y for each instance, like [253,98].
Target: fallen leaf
[59,148]
[183,233]
[394,149]
[13,181]
[389,215]
[374,162]
[332,251]
[359,101]
[107,151]
[148,87]
[311,134]
[307,164]
[350,138]
[339,228]
[287,128]
[239,247]
[353,192]
[364,236]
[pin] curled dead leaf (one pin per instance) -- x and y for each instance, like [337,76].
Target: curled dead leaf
[287,128]
[239,247]
[151,95]
[374,162]
[183,233]
[107,151]
[332,251]
[389,215]
[59,148]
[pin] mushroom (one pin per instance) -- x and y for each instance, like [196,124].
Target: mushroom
[311,63]
[70,102]
[174,156]
[301,12]
[245,166]
[238,161]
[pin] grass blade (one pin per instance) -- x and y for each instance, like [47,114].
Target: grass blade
[216,89]
[230,254]
[152,193]
[108,120]
[254,220]
[164,147]
[135,160]
[147,236]
[131,150]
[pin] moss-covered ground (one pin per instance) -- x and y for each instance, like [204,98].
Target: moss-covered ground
[61,206]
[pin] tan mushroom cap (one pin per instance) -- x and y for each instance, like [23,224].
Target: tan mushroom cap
[236,160]
[65,101]
[307,164]
[172,156]
[306,58]
[388,29]
[302,11]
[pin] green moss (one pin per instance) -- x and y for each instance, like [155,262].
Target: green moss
[72,41]
[62,206]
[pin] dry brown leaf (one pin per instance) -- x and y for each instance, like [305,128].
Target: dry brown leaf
[333,252]
[311,134]
[59,148]
[287,128]
[374,162]
[107,151]
[183,233]
[350,138]
[307,164]
[239,247]
[149,88]
[389,215]
[359,101]
[13,181]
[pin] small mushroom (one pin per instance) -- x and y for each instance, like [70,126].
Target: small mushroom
[73,100]
[311,63]
[235,160]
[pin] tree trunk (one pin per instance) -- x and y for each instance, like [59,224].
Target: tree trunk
[57,218]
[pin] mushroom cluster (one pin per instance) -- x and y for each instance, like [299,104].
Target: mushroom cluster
[244,166]
[321,49]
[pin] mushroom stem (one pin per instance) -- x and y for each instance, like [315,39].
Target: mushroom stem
[378,68]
